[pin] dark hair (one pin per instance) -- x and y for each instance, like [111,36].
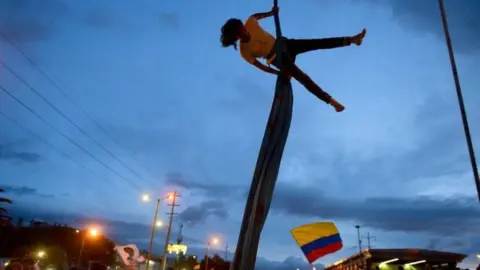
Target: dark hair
[229,32]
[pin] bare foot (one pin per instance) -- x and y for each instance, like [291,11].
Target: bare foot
[338,107]
[358,39]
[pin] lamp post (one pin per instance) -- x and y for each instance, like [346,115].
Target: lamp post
[92,232]
[211,241]
[156,223]
[359,238]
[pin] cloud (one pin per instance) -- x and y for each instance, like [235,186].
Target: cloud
[437,216]
[452,216]
[7,153]
[288,263]
[193,215]
[206,188]
[99,18]
[29,20]
[25,191]
[169,20]
[463,19]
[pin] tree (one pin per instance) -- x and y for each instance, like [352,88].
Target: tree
[184,262]
[216,262]
[64,241]
[5,219]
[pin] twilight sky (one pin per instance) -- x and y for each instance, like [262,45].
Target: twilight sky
[159,105]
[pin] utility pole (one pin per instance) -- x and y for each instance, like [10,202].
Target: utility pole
[359,239]
[152,234]
[169,229]
[81,251]
[226,251]
[368,237]
[460,98]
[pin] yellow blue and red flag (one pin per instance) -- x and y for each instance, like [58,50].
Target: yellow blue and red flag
[317,239]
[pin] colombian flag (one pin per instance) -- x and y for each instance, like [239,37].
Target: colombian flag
[317,239]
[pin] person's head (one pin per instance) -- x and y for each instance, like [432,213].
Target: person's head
[232,30]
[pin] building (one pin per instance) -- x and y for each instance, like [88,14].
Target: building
[399,259]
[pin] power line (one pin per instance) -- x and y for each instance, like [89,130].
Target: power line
[32,133]
[70,121]
[66,137]
[64,93]
[369,238]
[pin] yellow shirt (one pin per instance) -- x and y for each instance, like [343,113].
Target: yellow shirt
[260,44]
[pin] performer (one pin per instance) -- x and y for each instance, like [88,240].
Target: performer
[256,43]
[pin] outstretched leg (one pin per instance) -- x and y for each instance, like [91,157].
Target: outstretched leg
[311,86]
[298,46]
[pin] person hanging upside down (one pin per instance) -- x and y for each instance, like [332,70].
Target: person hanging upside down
[256,43]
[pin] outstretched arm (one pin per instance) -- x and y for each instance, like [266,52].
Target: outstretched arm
[263,15]
[265,68]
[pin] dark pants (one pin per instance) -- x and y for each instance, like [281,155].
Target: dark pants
[297,46]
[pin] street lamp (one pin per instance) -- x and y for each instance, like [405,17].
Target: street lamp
[213,241]
[41,254]
[146,198]
[92,232]
[156,223]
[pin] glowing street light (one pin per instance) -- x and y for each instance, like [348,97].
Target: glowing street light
[41,254]
[93,233]
[213,241]
[146,198]
[159,223]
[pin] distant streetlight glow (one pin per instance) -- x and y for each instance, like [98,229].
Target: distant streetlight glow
[145,197]
[159,223]
[93,232]
[213,241]
[77,231]
[41,254]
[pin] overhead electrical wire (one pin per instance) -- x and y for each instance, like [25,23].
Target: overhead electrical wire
[38,137]
[64,93]
[133,184]
[107,204]
[56,109]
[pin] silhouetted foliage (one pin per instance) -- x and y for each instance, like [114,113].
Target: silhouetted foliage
[58,242]
[185,262]
[216,262]
[5,219]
